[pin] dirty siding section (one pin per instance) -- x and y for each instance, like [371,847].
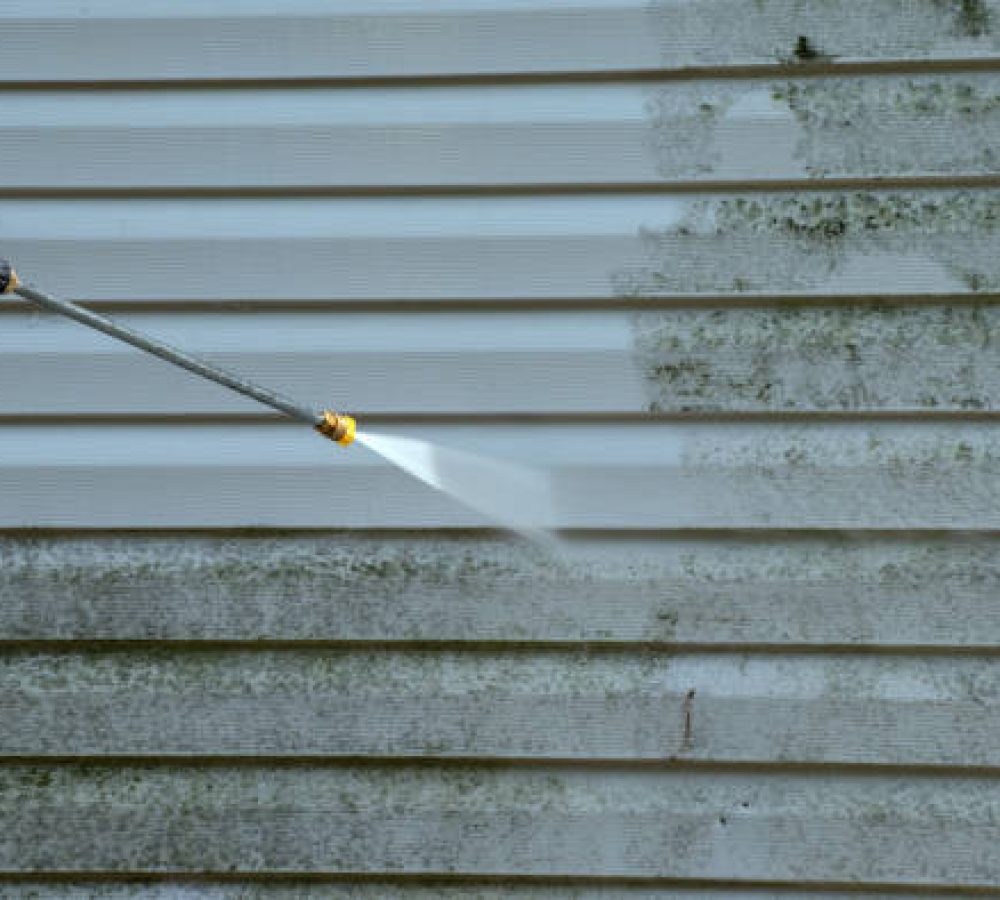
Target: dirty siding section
[726,270]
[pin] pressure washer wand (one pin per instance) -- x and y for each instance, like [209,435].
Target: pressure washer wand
[336,426]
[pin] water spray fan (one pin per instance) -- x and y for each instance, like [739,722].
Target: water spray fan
[335,426]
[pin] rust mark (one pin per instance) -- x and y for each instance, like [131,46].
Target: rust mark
[687,712]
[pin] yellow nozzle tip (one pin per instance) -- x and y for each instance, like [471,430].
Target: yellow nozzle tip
[350,431]
[8,278]
[339,428]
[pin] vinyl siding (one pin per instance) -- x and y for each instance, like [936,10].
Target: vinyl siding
[725,271]
[654,133]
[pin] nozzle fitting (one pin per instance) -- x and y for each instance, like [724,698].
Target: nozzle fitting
[337,427]
[8,277]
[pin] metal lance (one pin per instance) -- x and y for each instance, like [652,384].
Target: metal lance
[336,426]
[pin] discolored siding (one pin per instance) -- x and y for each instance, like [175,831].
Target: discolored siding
[724,269]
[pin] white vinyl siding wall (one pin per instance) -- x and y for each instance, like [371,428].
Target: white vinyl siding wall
[726,270]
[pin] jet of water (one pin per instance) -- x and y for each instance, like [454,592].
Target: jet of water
[514,496]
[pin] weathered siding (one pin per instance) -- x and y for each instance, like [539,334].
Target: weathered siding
[904,592]
[537,822]
[725,270]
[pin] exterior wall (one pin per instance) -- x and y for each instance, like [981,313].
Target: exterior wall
[725,269]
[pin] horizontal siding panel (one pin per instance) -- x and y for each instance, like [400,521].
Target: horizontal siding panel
[881,357]
[228,39]
[633,246]
[482,362]
[565,134]
[867,591]
[926,831]
[900,475]
[813,709]
[309,39]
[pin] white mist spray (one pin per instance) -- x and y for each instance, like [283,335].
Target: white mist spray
[516,497]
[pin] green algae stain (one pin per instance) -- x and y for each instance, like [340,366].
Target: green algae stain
[831,217]
[803,242]
[844,357]
[970,18]
[895,126]
[849,126]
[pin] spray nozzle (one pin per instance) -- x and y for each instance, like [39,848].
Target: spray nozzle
[340,428]
[8,278]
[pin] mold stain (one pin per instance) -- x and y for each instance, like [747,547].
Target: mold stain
[839,127]
[801,243]
[895,126]
[729,32]
[843,357]
[804,51]
[970,18]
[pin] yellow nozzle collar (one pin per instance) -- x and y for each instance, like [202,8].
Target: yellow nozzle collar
[8,278]
[337,427]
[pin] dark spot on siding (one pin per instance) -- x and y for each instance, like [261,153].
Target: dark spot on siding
[687,709]
[974,281]
[972,18]
[668,619]
[804,50]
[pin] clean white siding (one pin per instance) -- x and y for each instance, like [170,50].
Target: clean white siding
[726,270]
